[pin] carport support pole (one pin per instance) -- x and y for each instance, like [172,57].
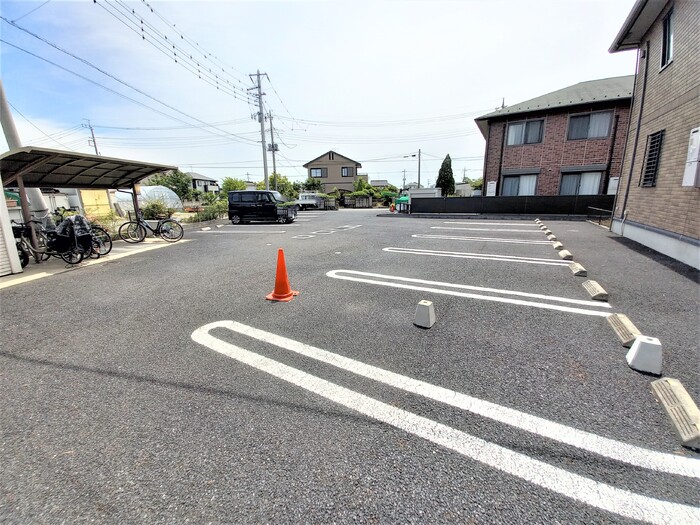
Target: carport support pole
[13,142]
[135,199]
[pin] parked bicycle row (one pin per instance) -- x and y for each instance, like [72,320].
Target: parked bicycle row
[75,238]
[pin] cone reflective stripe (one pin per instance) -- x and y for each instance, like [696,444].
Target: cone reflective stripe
[283,291]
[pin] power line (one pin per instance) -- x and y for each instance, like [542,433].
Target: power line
[34,125]
[29,13]
[128,17]
[241,139]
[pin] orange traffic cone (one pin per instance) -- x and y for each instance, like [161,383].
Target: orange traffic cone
[283,291]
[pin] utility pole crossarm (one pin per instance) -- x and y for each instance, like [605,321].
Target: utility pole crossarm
[261,117]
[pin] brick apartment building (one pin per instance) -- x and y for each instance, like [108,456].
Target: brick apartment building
[568,142]
[658,200]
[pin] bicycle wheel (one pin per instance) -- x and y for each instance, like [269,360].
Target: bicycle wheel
[132,232]
[101,240]
[171,230]
[72,256]
[23,255]
[43,242]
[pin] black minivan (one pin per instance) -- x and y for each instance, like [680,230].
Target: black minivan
[259,205]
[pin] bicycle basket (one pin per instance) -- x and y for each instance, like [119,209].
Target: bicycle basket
[17,231]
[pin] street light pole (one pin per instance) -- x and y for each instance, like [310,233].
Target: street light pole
[413,155]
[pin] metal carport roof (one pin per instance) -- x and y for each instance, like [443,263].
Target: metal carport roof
[43,167]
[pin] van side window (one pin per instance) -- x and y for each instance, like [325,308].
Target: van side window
[264,197]
[248,197]
[234,197]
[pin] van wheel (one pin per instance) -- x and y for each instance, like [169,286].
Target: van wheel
[236,219]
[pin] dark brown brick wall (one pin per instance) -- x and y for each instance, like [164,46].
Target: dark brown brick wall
[555,151]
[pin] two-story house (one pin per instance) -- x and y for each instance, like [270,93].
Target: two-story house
[658,201]
[568,142]
[204,184]
[334,171]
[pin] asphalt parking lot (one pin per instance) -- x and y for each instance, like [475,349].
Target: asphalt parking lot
[163,387]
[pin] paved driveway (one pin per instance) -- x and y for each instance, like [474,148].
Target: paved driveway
[163,387]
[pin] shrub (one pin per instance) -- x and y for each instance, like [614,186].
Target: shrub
[156,210]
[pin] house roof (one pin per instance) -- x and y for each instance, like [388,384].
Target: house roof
[591,91]
[197,176]
[357,164]
[640,19]
[43,167]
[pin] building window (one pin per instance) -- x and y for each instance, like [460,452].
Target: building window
[347,172]
[652,158]
[667,43]
[586,183]
[318,173]
[529,132]
[519,185]
[590,126]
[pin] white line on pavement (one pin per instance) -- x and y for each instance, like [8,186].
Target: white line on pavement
[334,274]
[484,239]
[484,229]
[242,231]
[609,448]
[530,224]
[574,486]
[483,256]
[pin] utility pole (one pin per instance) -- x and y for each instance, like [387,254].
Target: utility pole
[419,167]
[92,132]
[261,118]
[404,180]
[272,147]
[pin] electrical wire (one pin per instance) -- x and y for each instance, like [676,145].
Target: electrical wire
[243,140]
[35,126]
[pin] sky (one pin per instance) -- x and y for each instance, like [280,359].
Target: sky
[376,81]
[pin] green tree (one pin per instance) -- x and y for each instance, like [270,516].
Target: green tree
[209,198]
[179,182]
[231,184]
[284,185]
[446,180]
[312,184]
[476,184]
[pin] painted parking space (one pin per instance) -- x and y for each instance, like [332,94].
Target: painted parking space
[596,308]
[479,239]
[480,256]
[580,488]
[327,231]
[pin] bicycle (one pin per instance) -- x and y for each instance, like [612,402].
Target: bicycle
[135,231]
[101,239]
[45,238]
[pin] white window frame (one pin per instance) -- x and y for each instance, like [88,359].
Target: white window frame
[525,124]
[667,40]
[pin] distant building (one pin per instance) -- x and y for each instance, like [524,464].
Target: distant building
[334,171]
[568,142]
[379,183]
[658,200]
[204,184]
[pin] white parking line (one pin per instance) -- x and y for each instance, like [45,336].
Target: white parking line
[555,479]
[484,239]
[606,447]
[335,274]
[242,231]
[493,223]
[483,256]
[483,229]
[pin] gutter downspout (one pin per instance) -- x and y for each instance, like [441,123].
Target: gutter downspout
[500,160]
[636,133]
[610,154]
